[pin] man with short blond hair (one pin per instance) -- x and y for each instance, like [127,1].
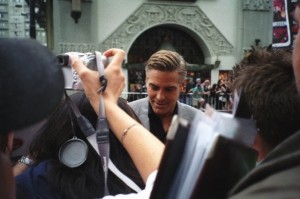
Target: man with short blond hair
[165,79]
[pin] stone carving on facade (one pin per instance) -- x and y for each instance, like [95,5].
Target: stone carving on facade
[76,47]
[260,5]
[153,14]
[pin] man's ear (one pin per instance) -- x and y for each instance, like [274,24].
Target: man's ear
[261,146]
[182,86]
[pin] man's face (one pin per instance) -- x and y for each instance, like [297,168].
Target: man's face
[296,51]
[163,91]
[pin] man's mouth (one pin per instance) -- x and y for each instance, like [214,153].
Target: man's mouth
[159,105]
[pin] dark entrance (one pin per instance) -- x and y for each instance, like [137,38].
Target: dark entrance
[169,38]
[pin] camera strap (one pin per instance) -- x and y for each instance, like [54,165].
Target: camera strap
[102,130]
[100,67]
[83,123]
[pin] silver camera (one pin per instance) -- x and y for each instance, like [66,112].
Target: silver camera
[72,80]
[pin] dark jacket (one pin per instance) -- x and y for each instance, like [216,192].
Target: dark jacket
[278,175]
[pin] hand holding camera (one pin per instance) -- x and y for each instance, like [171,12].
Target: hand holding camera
[72,81]
[90,78]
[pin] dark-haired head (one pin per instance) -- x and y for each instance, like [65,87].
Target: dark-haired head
[267,79]
[87,180]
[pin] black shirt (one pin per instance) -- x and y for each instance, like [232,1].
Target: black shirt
[156,126]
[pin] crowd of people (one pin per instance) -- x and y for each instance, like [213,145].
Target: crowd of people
[217,95]
[32,85]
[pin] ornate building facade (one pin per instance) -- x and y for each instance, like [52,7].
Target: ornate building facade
[212,35]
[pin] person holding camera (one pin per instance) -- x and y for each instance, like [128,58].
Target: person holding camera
[136,139]
[52,175]
[25,102]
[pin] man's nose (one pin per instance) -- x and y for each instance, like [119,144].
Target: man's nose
[160,95]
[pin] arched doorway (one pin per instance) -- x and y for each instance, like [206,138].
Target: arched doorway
[164,37]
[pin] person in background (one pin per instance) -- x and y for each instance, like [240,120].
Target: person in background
[223,92]
[31,86]
[165,75]
[206,91]
[189,91]
[213,96]
[198,91]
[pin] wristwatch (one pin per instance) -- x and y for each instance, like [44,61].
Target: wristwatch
[26,160]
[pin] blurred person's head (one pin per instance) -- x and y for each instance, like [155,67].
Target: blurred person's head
[267,80]
[206,82]
[31,86]
[31,83]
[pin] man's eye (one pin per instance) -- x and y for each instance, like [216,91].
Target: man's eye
[155,88]
[169,90]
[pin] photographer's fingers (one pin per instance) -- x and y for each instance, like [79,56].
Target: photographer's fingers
[117,54]
[77,64]
[89,79]
[114,73]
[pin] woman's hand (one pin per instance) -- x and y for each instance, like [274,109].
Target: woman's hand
[114,74]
